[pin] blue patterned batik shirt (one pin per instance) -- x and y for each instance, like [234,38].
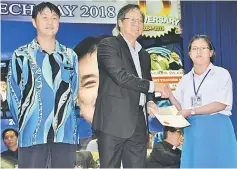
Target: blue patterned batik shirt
[42,92]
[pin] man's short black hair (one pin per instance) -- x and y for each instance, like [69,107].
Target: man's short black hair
[6,130]
[88,45]
[85,159]
[40,7]
[170,129]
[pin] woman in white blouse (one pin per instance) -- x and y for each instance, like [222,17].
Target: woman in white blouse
[204,96]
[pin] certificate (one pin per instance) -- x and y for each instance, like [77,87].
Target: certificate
[167,116]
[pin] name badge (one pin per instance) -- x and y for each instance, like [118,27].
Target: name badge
[196,101]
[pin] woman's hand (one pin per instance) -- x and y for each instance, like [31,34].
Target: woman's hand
[185,113]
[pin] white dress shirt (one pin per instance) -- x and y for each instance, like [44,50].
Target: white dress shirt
[135,56]
[217,87]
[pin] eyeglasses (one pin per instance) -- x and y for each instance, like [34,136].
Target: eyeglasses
[195,49]
[134,20]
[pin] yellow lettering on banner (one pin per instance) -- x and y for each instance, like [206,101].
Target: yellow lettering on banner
[154,28]
[159,28]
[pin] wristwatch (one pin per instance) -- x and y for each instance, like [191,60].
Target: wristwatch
[193,112]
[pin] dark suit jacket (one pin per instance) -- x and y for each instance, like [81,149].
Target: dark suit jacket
[163,156]
[9,153]
[117,104]
[175,66]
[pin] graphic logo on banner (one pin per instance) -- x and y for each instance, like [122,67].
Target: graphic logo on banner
[160,17]
[166,68]
[166,64]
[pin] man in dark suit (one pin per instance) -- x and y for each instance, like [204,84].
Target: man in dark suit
[175,62]
[125,86]
[165,154]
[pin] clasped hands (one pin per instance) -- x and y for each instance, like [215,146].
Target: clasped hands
[165,92]
[163,89]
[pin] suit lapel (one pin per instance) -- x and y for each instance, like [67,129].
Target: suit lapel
[127,52]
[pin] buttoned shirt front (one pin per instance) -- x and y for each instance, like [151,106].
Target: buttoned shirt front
[42,92]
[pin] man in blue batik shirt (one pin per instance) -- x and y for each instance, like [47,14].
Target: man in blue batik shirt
[42,92]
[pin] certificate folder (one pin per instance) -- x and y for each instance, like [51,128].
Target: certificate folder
[168,117]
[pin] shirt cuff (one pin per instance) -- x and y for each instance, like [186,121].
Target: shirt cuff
[152,87]
[149,102]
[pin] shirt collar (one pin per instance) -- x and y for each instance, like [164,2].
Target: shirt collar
[35,45]
[210,66]
[170,146]
[138,47]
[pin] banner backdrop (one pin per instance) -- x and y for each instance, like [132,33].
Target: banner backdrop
[80,19]
[162,40]
[71,11]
